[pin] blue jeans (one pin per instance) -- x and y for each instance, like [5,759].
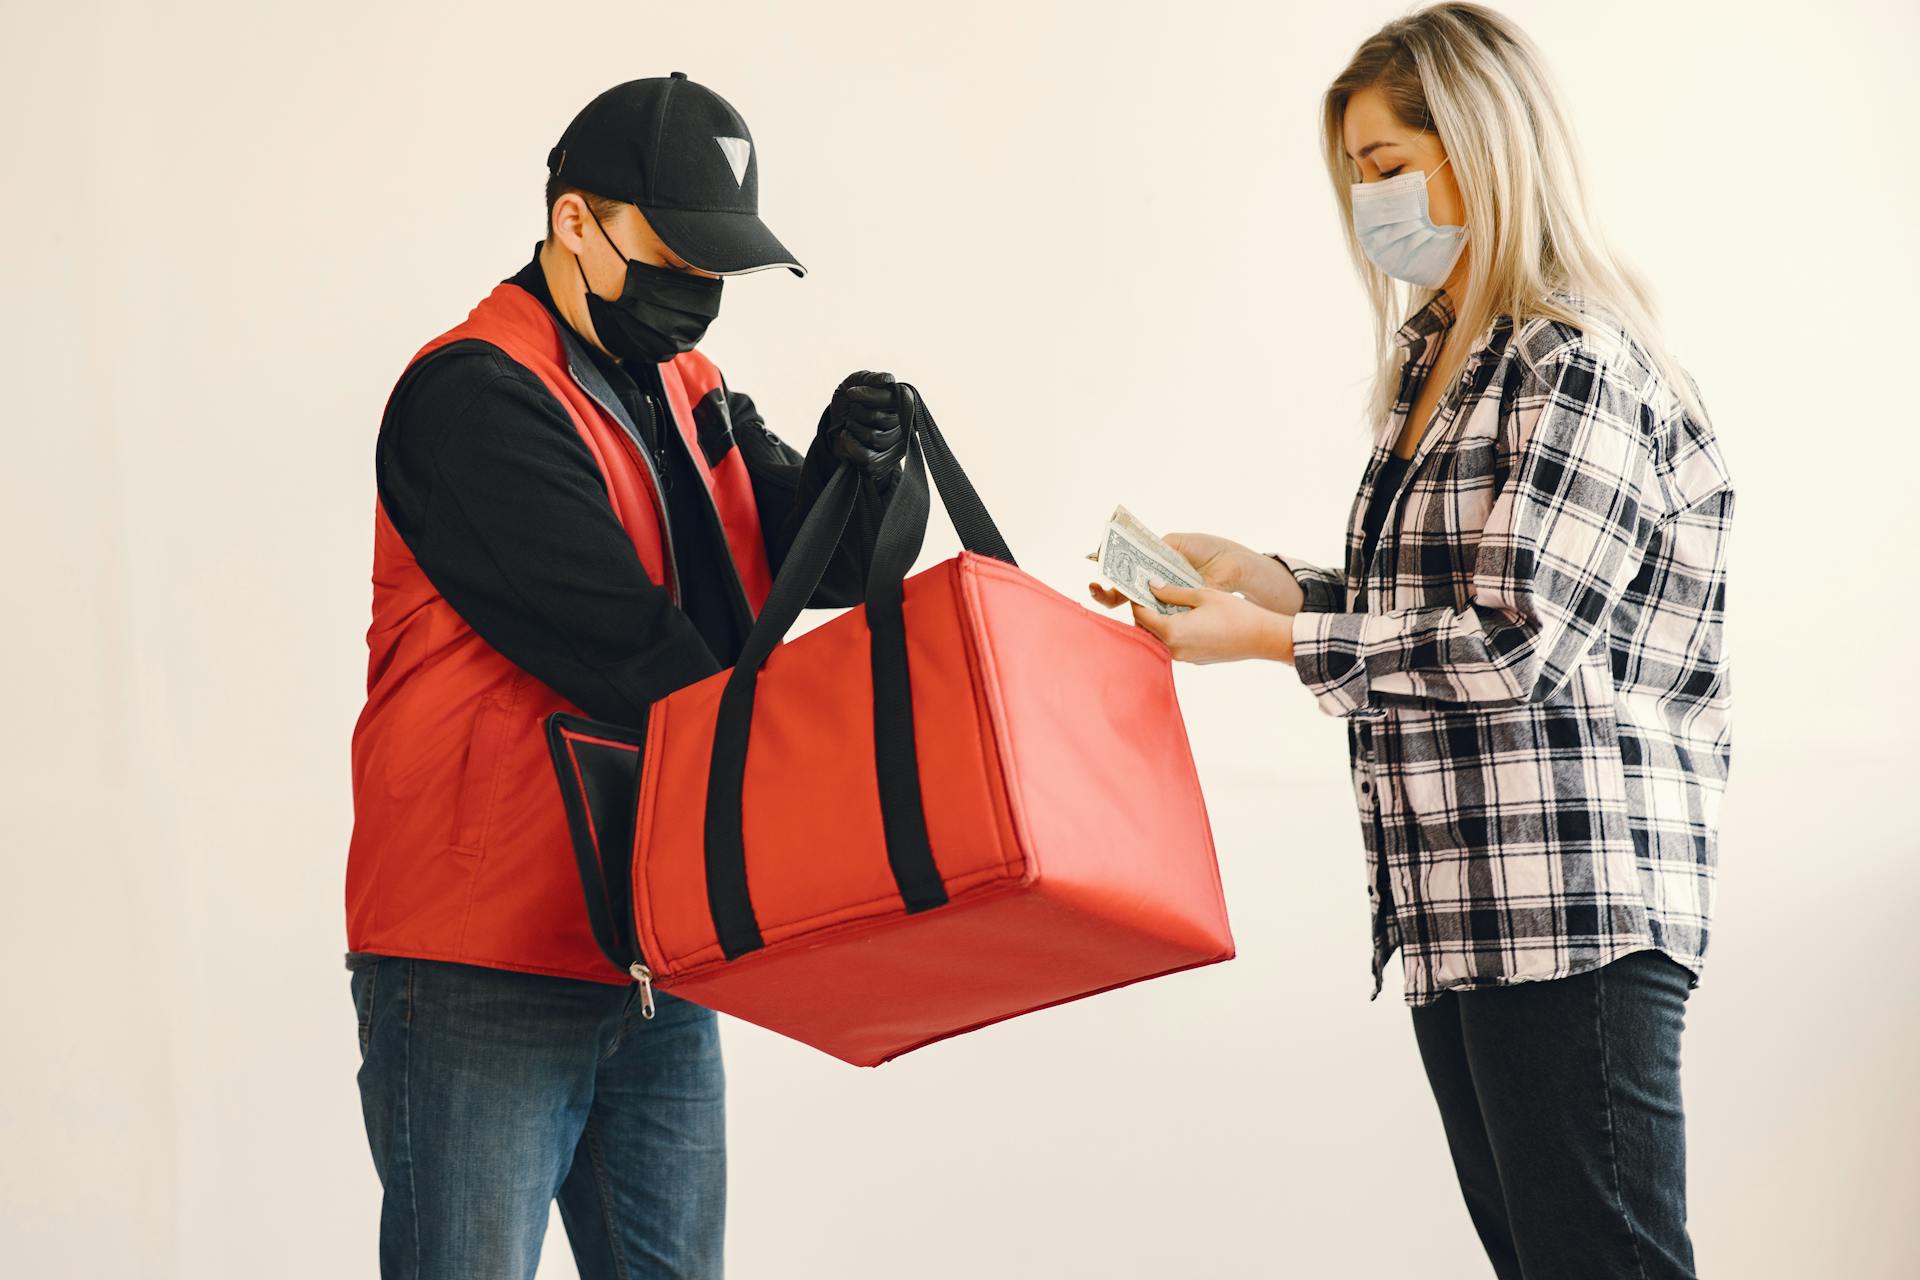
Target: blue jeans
[488,1094]
[1561,1104]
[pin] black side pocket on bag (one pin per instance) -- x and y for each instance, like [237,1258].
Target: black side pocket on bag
[598,767]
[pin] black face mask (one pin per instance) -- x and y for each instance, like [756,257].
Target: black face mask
[660,312]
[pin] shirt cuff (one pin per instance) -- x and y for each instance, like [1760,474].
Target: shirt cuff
[1318,592]
[1327,655]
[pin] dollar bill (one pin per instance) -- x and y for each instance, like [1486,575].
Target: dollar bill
[1130,553]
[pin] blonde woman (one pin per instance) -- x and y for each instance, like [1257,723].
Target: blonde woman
[1525,640]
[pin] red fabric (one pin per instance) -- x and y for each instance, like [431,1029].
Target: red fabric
[460,848]
[1062,807]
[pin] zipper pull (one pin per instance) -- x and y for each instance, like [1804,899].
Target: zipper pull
[643,976]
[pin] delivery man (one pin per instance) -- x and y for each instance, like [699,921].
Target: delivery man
[575,512]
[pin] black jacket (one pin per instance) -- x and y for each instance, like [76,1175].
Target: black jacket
[486,480]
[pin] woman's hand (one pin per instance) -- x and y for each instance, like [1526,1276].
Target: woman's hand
[1221,561]
[1217,626]
[1225,565]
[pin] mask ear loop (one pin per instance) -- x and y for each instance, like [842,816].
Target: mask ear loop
[1429,178]
[610,244]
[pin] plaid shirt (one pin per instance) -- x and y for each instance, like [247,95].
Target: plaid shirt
[1536,694]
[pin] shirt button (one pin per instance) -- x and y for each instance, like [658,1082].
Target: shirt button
[1366,787]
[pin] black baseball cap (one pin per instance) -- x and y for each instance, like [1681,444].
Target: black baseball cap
[681,153]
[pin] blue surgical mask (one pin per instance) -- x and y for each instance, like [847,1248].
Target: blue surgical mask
[1399,235]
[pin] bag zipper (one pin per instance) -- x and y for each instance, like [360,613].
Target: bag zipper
[643,976]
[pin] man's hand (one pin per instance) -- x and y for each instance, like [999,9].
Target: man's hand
[865,424]
[1217,627]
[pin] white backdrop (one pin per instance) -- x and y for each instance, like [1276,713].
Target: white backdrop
[1099,238]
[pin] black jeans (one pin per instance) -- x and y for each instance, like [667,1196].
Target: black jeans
[1561,1103]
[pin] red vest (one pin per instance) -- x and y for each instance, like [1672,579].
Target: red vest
[460,848]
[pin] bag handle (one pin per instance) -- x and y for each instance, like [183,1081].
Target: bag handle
[897,545]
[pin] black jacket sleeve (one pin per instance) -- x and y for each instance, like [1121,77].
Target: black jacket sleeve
[484,476]
[786,484]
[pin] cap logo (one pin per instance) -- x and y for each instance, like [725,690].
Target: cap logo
[737,150]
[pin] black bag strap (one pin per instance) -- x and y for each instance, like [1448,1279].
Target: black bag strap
[901,533]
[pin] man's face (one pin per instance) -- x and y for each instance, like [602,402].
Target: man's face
[631,236]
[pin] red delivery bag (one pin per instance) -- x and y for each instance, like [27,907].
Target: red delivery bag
[969,798]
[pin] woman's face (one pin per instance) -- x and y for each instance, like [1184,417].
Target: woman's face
[1385,147]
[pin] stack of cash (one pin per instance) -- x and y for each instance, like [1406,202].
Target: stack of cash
[1130,553]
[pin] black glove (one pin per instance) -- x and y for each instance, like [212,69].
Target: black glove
[865,424]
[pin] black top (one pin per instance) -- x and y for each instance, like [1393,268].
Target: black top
[491,487]
[1386,483]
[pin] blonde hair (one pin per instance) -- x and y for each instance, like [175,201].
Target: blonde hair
[1469,73]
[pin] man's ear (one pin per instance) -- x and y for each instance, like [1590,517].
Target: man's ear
[567,226]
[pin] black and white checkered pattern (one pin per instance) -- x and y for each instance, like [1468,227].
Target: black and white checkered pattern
[1537,693]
